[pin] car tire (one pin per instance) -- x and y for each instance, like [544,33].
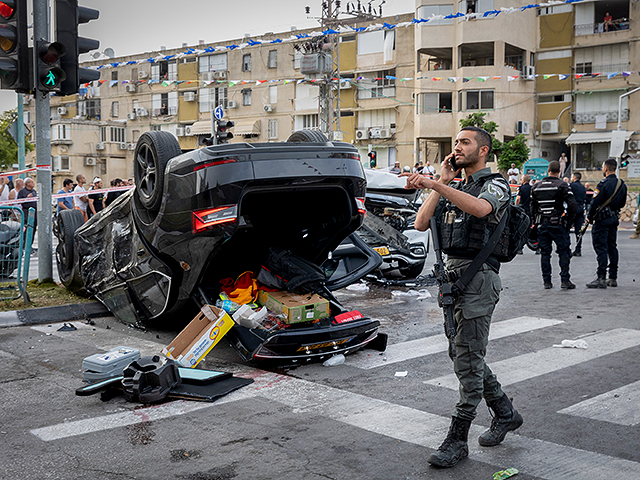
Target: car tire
[68,222]
[308,136]
[153,151]
[413,271]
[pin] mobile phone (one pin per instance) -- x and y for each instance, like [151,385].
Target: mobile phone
[452,162]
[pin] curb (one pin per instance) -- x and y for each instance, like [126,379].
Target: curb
[62,313]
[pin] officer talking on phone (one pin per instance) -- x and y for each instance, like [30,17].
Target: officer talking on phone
[467,212]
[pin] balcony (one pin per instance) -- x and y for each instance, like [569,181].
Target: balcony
[600,27]
[590,117]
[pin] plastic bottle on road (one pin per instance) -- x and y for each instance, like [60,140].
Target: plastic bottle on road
[334,361]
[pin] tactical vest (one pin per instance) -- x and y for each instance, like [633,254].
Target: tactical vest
[464,235]
[550,201]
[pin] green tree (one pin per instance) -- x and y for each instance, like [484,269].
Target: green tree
[515,151]
[8,147]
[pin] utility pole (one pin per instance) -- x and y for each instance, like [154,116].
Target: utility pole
[43,150]
[329,94]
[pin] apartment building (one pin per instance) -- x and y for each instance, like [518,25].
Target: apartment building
[578,110]
[259,84]
[472,63]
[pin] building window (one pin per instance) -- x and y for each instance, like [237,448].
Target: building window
[479,99]
[164,71]
[246,96]
[134,74]
[113,134]
[27,117]
[212,63]
[273,129]
[164,104]
[297,58]
[435,102]
[376,41]
[115,109]
[273,59]
[426,11]
[212,97]
[554,98]
[61,131]
[310,121]
[90,109]
[60,163]
[114,75]
[156,128]
[379,84]
[172,71]
[273,94]
[246,62]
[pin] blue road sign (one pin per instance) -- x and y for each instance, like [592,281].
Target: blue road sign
[218,112]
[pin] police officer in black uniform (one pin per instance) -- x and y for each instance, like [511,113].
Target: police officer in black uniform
[548,200]
[580,194]
[605,224]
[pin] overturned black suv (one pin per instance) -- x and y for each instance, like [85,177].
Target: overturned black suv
[160,250]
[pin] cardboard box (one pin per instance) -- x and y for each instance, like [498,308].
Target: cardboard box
[198,338]
[297,308]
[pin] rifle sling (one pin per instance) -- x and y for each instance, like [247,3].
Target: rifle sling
[608,200]
[481,258]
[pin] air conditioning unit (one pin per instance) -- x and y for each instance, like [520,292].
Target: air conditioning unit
[180,132]
[207,76]
[26,99]
[189,96]
[122,146]
[188,130]
[130,87]
[131,116]
[220,75]
[361,134]
[143,75]
[62,110]
[90,161]
[528,72]
[141,112]
[132,146]
[549,126]
[269,108]
[385,133]
[344,84]
[374,132]
[232,104]
[522,127]
[100,146]
[633,145]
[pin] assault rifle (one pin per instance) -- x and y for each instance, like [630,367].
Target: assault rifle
[445,291]
[582,231]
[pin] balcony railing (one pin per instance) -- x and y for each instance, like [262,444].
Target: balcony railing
[593,28]
[589,70]
[590,117]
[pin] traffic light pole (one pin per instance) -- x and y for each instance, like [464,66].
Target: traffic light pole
[43,151]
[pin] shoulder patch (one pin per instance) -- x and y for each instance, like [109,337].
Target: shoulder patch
[596,192]
[497,190]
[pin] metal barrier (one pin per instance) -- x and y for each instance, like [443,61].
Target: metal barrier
[13,239]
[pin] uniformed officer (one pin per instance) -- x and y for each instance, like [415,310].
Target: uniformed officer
[609,197]
[580,194]
[548,200]
[464,210]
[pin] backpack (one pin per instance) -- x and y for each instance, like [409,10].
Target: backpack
[518,227]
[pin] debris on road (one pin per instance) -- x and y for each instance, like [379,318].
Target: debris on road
[572,344]
[504,474]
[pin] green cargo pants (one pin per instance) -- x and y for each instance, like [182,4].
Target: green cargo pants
[472,314]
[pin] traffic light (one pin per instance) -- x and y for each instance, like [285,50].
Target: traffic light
[49,75]
[68,16]
[223,135]
[373,159]
[14,48]
[624,161]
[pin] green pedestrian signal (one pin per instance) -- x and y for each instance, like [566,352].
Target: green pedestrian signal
[50,74]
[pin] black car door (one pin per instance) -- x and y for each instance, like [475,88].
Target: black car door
[351,261]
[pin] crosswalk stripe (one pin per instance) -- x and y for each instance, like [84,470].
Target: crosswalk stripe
[538,458]
[530,365]
[616,406]
[420,347]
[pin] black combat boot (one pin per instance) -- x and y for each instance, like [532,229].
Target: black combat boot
[505,419]
[454,448]
[600,282]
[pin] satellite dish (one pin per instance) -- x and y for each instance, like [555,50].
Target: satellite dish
[96,55]
[109,52]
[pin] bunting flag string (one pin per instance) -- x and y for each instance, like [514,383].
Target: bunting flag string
[343,29]
[365,80]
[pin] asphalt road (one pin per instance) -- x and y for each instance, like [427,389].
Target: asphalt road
[377,416]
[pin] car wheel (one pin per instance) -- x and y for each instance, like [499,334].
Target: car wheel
[153,151]
[413,271]
[68,222]
[308,136]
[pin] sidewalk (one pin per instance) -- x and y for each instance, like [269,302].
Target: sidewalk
[62,313]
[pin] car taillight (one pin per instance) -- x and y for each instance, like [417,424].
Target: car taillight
[205,219]
[362,210]
[213,164]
